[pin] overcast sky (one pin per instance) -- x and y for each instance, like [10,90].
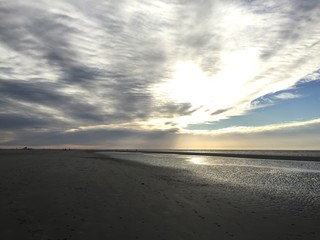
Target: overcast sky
[160,73]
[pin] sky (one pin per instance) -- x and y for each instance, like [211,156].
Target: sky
[181,74]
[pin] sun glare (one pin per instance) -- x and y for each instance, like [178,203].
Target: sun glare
[188,84]
[197,160]
[210,91]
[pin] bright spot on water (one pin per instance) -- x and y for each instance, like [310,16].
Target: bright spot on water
[196,160]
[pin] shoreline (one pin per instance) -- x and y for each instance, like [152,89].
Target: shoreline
[235,155]
[194,152]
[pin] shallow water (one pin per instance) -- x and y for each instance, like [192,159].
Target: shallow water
[294,179]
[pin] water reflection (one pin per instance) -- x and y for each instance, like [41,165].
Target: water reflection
[197,160]
[297,179]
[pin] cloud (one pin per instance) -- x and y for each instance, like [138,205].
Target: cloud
[267,128]
[156,65]
[16,122]
[217,112]
[94,137]
[314,76]
[294,135]
[286,95]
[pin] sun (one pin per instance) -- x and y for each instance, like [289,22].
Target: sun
[188,84]
[210,91]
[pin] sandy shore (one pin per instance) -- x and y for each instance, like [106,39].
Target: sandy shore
[51,194]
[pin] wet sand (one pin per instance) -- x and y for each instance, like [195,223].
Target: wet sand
[55,194]
[230,154]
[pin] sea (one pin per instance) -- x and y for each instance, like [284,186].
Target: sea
[294,174]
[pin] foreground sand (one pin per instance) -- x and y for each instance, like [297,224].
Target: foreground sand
[80,195]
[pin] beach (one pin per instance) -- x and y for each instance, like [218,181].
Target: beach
[78,194]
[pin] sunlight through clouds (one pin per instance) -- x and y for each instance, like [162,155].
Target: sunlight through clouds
[68,66]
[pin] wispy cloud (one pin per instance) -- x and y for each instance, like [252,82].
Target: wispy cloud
[311,77]
[286,95]
[256,129]
[293,135]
